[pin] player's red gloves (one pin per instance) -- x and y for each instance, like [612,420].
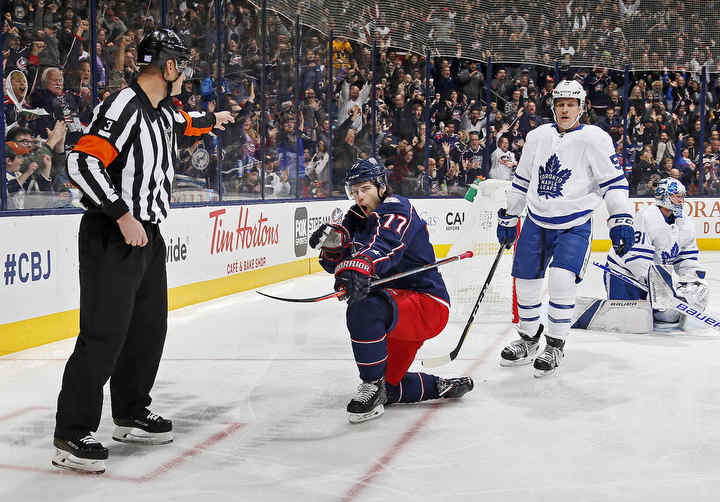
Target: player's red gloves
[353,276]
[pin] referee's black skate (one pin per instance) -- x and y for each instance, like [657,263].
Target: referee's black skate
[149,428]
[368,402]
[451,388]
[82,454]
[547,363]
[521,351]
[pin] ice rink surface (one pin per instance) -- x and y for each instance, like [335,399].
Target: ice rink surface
[257,391]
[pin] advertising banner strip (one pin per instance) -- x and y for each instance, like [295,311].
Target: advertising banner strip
[37,331]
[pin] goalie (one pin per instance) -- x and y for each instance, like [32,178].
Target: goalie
[663,237]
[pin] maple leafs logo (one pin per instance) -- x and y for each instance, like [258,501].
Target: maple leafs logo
[551,178]
[668,258]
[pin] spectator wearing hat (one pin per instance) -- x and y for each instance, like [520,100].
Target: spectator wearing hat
[15,181]
[16,88]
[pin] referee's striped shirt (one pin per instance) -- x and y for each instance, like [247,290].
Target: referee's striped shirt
[124,162]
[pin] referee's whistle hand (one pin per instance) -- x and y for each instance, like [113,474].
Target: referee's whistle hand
[132,230]
[222,118]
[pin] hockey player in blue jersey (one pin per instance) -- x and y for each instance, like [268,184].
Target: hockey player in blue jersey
[664,237]
[381,235]
[566,170]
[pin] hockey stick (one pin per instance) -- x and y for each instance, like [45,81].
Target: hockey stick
[677,304]
[434,362]
[379,282]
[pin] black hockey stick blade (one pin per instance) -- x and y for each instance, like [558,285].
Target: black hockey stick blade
[434,362]
[334,294]
[338,294]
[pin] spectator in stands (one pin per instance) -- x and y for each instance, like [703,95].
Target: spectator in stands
[642,172]
[345,153]
[16,181]
[16,88]
[503,161]
[353,95]
[403,124]
[664,149]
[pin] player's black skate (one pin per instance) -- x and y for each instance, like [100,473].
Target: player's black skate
[547,363]
[451,388]
[521,351]
[82,454]
[149,428]
[368,402]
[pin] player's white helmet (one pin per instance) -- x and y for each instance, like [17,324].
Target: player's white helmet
[670,194]
[569,89]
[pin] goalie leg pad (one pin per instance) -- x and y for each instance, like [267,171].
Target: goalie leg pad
[623,316]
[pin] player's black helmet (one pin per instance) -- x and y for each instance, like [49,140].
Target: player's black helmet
[161,45]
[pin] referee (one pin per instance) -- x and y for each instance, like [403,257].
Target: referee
[124,169]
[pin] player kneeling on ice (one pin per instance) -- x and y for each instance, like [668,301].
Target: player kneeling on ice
[665,238]
[565,171]
[381,235]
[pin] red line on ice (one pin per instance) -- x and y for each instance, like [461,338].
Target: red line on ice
[406,437]
[22,411]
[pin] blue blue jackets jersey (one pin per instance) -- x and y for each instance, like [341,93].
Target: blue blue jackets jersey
[396,239]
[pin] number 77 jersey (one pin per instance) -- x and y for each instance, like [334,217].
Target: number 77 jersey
[396,239]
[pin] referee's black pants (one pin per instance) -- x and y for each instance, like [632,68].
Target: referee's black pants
[123,321]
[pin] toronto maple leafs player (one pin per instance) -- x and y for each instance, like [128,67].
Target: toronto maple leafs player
[381,235]
[566,170]
[662,236]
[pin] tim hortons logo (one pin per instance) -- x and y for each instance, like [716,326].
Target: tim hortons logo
[244,236]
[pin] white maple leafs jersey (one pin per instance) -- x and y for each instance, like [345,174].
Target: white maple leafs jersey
[660,242]
[564,177]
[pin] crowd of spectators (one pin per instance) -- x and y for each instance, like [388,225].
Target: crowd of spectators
[315,127]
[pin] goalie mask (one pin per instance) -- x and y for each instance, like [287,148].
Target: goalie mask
[670,194]
[569,89]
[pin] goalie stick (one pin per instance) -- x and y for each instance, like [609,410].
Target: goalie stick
[676,304]
[379,282]
[434,362]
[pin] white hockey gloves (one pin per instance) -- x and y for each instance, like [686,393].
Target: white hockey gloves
[694,289]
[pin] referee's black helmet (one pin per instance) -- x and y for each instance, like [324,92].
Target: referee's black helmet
[161,45]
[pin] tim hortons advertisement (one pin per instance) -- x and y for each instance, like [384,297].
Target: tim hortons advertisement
[211,242]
